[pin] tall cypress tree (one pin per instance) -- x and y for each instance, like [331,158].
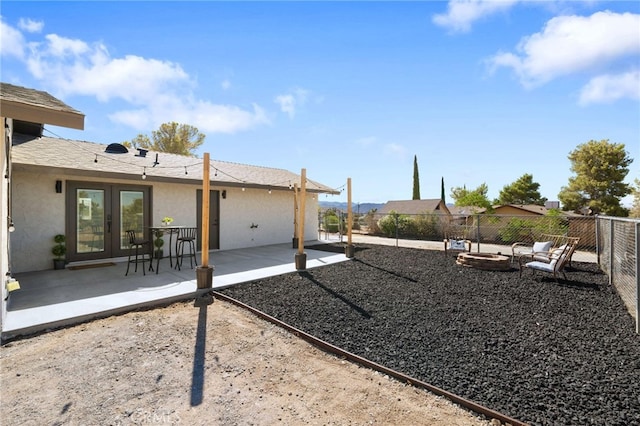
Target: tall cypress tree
[416,179]
[442,191]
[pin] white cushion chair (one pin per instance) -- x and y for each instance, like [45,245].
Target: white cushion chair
[539,251]
[556,260]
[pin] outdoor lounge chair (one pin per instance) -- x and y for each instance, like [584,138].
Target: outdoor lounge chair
[555,263]
[539,250]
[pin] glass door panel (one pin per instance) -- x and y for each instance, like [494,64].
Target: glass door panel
[131,215]
[89,220]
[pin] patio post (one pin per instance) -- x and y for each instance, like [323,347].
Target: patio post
[301,256]
[349,249]
[204,272]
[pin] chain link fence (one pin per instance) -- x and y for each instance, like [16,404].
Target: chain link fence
[618,246]
[481,229]
[612,242]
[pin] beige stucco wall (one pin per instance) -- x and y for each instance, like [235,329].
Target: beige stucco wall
[39,215]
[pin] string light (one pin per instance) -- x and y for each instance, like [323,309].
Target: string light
[156,164]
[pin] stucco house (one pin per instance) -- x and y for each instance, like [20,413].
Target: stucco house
[92,192]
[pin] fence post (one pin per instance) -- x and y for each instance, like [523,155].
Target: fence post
[611,250]
[637,236]
[397,221]
[598,248]
[478,231]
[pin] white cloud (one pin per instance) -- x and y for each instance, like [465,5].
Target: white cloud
[226,84]
[462,13]
[206,116]
[156,91]
[572,44]
[13,43]
[609,88]
[287,104]
[30,25]
[290,102]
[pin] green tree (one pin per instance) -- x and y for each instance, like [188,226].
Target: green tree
[635,208]
[442,190]
[416,179]
[522,191]
[172,137]
[600,168]
[477,198]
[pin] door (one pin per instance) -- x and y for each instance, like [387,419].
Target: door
[99,215]
[214,218]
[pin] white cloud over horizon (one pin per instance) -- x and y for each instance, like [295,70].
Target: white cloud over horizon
[290,102]
[577,44]
[610,88]
[461,14]
[166,93]
[30,25]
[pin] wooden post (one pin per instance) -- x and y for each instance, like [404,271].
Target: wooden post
[204,272]
[295,215]
[349,250]
[206,187]
[301,256]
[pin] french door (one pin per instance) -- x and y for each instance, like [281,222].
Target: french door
[214,218]
[98,216]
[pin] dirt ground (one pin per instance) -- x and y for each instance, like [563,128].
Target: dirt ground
[200,365]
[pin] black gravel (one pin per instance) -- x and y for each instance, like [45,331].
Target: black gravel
[542,352]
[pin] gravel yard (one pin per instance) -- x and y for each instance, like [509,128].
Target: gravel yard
[542,352]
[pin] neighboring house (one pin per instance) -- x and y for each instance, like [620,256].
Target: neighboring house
[415,207]
[27,111]
[92,193]
[435,210]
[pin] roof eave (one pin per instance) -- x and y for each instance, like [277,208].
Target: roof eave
[41,114]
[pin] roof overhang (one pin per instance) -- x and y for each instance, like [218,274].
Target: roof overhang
[41,114]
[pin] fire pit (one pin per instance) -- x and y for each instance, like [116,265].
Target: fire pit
[486,261]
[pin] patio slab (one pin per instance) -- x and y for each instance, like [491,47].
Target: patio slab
[55,298]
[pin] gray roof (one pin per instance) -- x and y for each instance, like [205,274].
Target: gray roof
[532,208]
[79,158]
[414,207]
[23,95]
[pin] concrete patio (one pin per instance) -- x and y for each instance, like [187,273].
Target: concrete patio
[55,298]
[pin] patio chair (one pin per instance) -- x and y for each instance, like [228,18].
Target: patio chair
[186,236]
[456,241]
[539,250]
[141,248]
[555,263]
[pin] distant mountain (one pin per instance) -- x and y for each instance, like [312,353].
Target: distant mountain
[356,207]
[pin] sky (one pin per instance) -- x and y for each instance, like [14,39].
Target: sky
[478,91]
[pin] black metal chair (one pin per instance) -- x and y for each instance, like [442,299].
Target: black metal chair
[187,236]
[141,247]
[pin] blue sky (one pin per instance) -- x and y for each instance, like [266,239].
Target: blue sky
[480,91]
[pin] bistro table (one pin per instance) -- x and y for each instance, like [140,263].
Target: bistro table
[158,232]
